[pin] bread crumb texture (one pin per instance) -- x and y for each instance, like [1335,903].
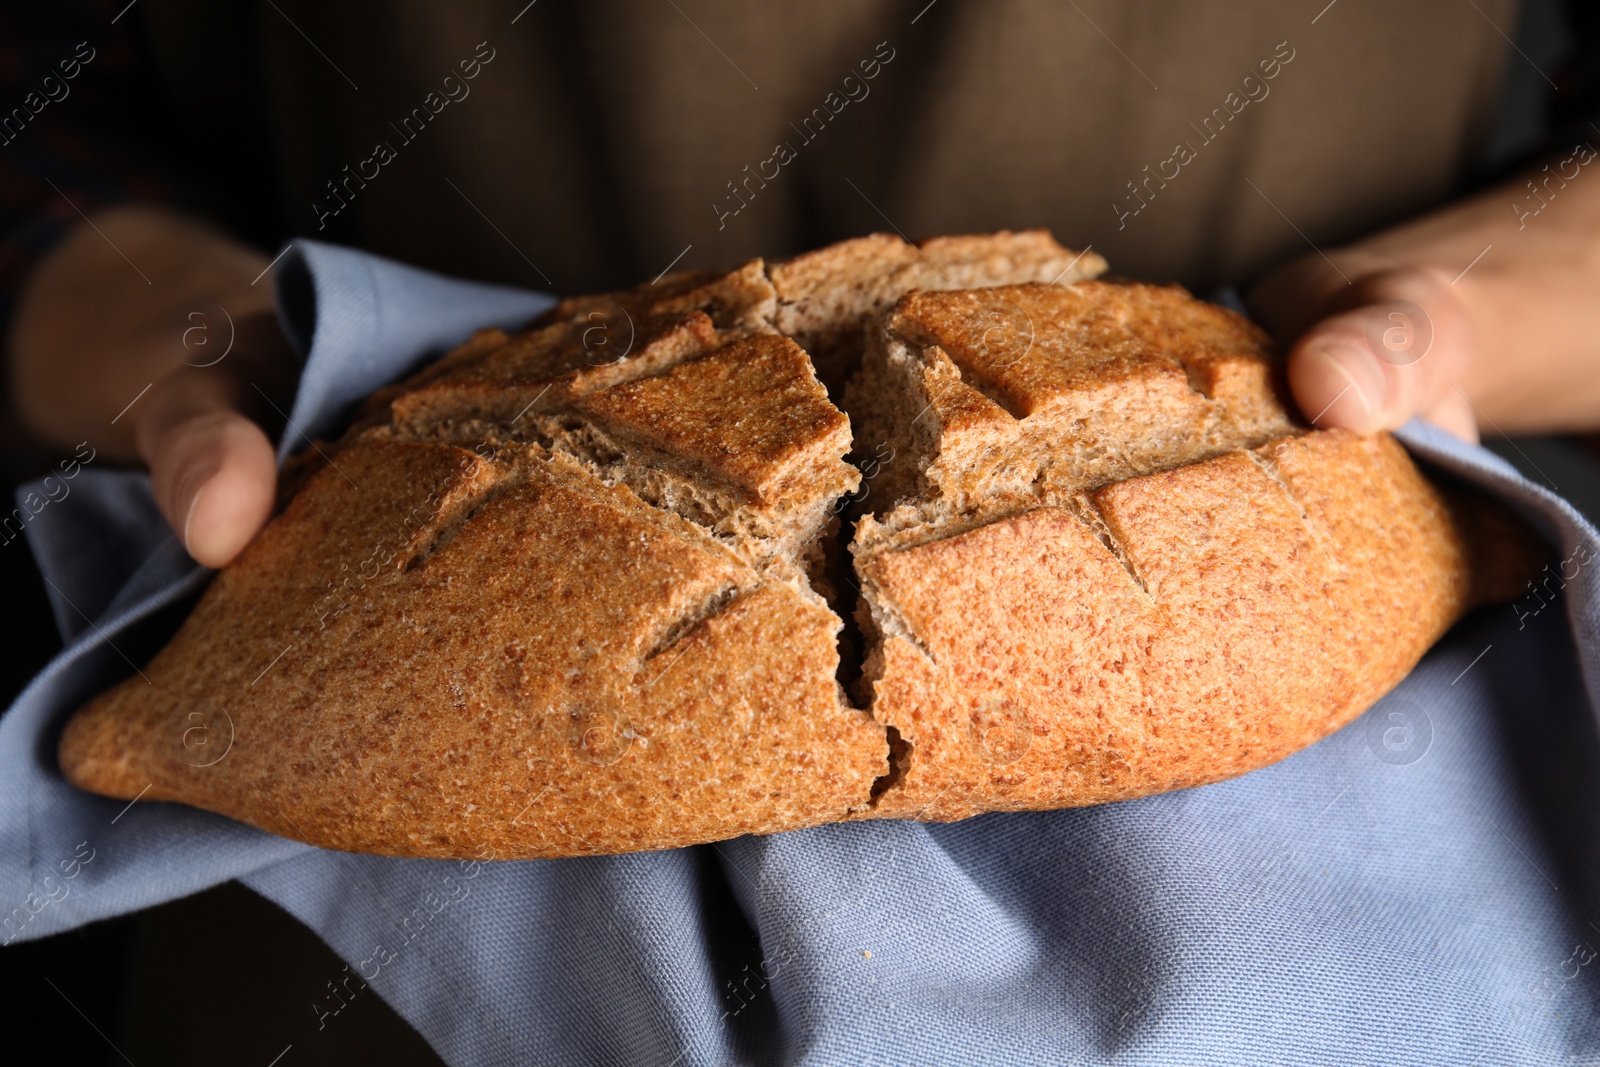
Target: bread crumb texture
[633,579]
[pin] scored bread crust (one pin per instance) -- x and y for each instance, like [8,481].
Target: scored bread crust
[1229,614]
[580,589]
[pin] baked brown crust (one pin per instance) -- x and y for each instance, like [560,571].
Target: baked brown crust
[442,707]
[1242,609]
[989,398]
[578,590]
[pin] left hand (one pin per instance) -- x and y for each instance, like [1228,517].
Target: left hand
[1477,318]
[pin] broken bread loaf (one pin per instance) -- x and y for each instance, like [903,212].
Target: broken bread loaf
[631,580]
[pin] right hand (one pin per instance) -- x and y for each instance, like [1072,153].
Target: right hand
[139,302]
[1367,351]
[1470,317]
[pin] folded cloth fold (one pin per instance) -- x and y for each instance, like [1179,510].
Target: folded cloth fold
[1422,887]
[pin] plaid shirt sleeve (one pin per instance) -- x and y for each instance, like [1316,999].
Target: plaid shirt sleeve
[1575,110]
[79,121]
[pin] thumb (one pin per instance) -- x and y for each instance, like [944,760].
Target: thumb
[213,470]
[1393,346]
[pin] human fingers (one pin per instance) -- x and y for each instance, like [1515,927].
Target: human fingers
[1372,352]
[212,468]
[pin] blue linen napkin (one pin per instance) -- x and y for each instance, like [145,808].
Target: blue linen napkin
[1422,887]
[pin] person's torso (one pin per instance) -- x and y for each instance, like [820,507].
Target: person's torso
[581,147]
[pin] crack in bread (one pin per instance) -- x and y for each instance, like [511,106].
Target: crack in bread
[585,589]
[1003,398]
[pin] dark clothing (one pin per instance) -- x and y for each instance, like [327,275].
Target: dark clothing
[594,143]
[602,139]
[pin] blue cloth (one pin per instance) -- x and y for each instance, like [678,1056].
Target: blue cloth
[1420,888]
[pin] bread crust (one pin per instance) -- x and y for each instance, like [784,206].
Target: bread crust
[580,589]
[546,666]
[1229,622]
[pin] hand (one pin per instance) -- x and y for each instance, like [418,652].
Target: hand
[119,339]
[1378,348]
[1476,318]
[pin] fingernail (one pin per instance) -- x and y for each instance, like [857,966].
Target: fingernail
[1359,369]
[192,484]
[194,504]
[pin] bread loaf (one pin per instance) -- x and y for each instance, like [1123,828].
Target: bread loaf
[610,583]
